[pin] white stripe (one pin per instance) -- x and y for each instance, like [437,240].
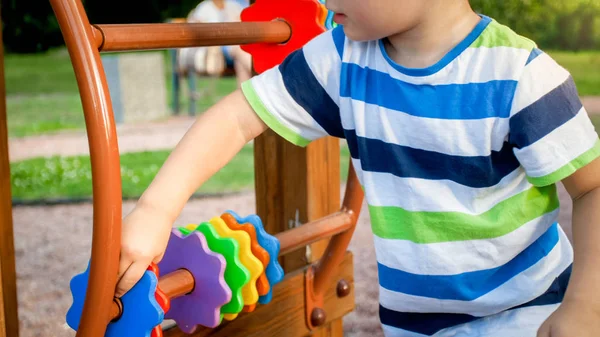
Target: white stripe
[324,61]
[522,322]
[522,288]
[414,194]
[559,147]
[452,258]
[473,65]
[474,137]
[538,78]
[283,107]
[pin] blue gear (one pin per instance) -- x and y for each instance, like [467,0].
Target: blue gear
[270,243]
[141,311]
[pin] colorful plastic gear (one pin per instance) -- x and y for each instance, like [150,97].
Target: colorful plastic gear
[262,284]
[141,313]
[274,271]
[253,265]
[301,15]
[236,275]
[203,305]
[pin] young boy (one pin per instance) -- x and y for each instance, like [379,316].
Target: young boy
[459,130]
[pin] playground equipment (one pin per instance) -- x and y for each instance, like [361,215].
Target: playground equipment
[297,196]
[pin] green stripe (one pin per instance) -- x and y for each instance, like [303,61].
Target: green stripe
[565,171]
[271,121]
[497,35]
[431,227]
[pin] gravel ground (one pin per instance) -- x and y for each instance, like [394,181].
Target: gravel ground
[53,242]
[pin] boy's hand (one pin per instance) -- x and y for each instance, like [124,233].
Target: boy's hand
[572,318]
[145,235]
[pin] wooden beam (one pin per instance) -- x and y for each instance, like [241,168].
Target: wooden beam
[284,316]
[9,320]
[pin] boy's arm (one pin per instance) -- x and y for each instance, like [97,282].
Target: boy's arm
[207,146]
[212,141]
[579,313]
[584,188]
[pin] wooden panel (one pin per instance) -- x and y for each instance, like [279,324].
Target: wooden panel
[9,321]
[323,184]
[295,185]
[284,316]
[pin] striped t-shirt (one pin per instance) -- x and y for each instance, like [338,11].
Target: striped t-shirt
[458,162]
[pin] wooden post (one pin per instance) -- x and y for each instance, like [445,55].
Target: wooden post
[9,320]
[295,185]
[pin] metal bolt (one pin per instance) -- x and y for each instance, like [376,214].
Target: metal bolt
[318,317]
[343,288]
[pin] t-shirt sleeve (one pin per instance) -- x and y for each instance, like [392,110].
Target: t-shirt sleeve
[550,129]
[299,99]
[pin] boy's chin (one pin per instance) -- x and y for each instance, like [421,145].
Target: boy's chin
[359,35]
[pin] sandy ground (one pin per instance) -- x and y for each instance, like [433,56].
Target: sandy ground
[53,243]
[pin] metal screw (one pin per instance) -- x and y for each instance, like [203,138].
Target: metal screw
[343,288]
[318,317]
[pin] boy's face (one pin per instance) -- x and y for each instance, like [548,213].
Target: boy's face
[376,19]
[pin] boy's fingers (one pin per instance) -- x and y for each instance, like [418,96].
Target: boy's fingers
[123,266]
[131,276]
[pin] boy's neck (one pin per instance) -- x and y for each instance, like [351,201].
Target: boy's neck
[429,41]
[220,4]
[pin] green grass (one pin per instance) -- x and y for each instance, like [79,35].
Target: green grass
[37,74]
[71,177]
[585,68]
[42,93]
[61,112]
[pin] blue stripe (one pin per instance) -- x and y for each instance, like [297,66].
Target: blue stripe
[545,115]
[306,90]
[449,57]
[471,285]
[447,101]
[534,54]
[430,323]
[408,162]
[339,38]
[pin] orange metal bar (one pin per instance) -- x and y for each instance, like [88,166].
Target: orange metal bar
[104,154]
[123,37]
[320,276]
[175,284]
[313,231]
[334,254]
[9,320]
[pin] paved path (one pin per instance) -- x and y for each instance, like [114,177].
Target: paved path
[147,136]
